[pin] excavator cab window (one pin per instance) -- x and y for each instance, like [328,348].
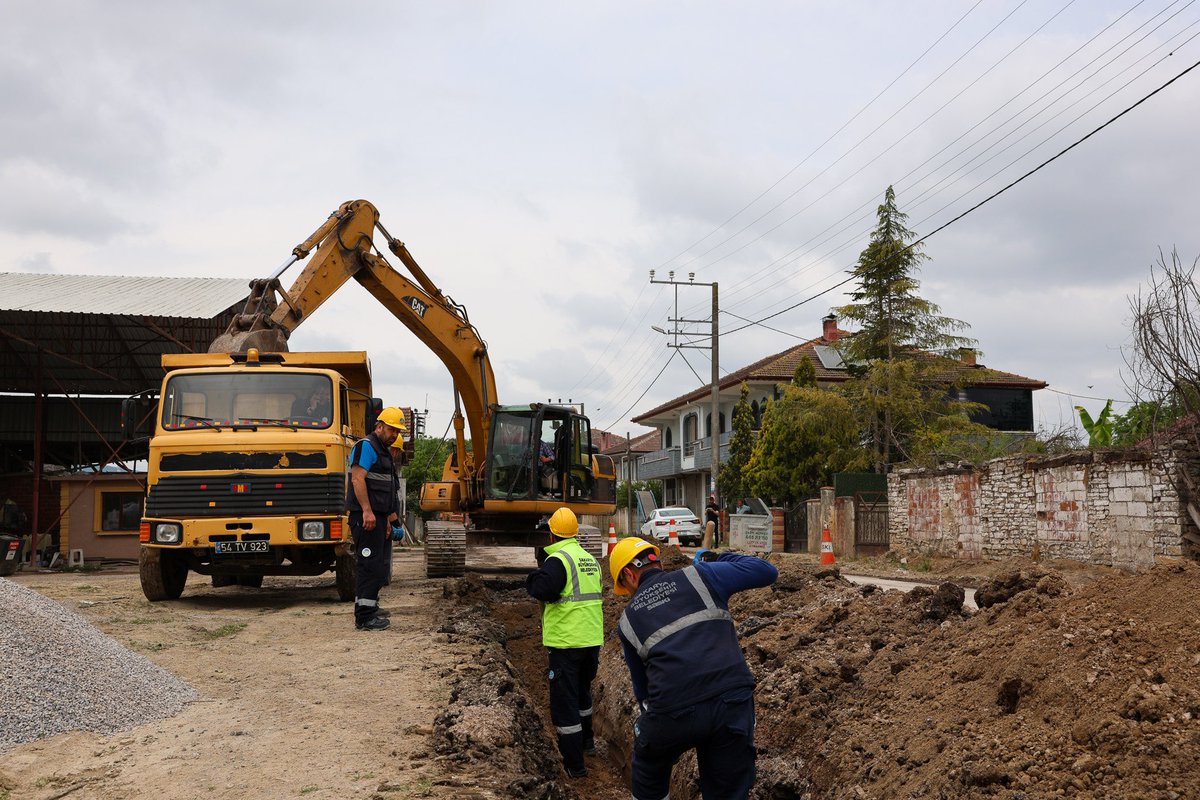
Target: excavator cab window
[511,455]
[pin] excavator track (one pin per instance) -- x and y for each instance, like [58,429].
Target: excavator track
[445,549]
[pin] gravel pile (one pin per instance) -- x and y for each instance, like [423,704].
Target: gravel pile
[58,673]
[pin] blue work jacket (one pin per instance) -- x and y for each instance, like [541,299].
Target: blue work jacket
[678,637]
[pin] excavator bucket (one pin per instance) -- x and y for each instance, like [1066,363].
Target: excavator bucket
[254,326]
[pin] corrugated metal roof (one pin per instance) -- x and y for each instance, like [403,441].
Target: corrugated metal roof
[183,298]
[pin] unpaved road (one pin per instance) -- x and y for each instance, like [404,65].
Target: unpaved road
[294,701]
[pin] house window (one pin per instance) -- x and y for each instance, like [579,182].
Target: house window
[708,424]
[689,428]
[756,413]
[120,511]
[667,438]
[1007,409]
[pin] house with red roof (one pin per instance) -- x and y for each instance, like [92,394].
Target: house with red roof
[684,425]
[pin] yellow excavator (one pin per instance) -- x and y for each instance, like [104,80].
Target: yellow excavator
[521,462]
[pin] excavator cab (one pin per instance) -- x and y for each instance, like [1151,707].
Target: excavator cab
[539,452]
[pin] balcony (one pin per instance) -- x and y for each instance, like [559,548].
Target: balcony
[659,464]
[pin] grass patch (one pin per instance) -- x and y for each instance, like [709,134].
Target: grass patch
[87,588]
[312,787]
[923,564]
[362,776]
[223,631]
[84,567]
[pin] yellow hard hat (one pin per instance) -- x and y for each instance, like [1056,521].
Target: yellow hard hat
[393,417]
[622,554]
[564,523]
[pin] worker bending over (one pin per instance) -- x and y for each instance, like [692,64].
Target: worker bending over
[568,584]
[687,668]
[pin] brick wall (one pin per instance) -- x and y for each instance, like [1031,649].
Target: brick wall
[1119,508]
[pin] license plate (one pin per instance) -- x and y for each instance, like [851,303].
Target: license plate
[241,547]
[10,555]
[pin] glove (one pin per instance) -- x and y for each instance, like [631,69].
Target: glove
[704,555]
[397,533]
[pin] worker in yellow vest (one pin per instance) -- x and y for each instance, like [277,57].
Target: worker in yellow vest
[568,584]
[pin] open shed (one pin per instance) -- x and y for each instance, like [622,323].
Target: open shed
[71,348]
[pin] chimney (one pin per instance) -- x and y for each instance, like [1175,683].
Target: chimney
[829,332]
[967,356]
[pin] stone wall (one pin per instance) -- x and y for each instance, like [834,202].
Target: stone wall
[1118,508]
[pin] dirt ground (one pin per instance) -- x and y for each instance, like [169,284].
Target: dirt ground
[1069,682]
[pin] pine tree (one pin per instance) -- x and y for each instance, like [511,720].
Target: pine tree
[732,478]
[894,321]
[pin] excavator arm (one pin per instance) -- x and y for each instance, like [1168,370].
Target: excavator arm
[344,245]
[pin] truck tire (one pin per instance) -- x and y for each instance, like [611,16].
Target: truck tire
[346,581]
[445,549]
[163,573]
[250,581]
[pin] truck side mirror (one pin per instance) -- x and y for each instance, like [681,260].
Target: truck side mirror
[129,410]
[374,409]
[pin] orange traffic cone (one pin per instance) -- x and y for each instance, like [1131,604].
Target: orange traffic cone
[826,548]
[612,537]
[672,537]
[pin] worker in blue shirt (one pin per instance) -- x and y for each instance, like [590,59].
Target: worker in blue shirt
[687,668]
[373,503]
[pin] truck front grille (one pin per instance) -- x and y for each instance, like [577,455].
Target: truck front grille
[242,494]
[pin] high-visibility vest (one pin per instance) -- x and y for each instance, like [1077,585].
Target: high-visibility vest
[576,618]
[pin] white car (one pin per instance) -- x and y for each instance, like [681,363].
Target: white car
[687,527]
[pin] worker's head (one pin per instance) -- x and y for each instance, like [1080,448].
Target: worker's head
[630,558]
[390,424]
[563,523]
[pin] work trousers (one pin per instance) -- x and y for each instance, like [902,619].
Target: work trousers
[572,671]
[722,732]
[371,556]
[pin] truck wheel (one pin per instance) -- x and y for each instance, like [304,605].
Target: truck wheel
[252,581]
[163,573]
[347,581]
[445,549]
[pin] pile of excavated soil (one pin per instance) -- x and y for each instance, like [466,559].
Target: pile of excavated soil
[1050,690]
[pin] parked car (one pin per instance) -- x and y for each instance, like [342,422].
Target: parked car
[687,527]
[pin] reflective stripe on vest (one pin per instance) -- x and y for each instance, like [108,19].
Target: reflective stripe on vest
[710,613]
[577,595]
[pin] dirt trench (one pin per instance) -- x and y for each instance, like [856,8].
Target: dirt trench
[1050,690]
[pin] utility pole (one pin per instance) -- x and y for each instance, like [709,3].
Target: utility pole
[676,332]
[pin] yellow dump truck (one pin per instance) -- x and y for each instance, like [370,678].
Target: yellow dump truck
[247,467]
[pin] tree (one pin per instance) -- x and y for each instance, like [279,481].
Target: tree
[1099,430]
[429,456]
[654,487]
[893,320]
[903,388]
[807,435]
[1163,365]
[731,481]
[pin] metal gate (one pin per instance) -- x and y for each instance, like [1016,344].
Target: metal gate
[795,528]
[870,523]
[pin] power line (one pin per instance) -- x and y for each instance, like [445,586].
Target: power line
[623,414]
[989,198]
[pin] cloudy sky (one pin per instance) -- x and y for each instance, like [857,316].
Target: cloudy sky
[539,158]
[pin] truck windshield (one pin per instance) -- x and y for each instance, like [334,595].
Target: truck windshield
[238,399]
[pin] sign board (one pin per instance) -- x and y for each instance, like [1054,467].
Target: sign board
[751,532]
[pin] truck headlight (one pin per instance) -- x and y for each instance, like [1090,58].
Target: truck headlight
[168,532]
[312,530]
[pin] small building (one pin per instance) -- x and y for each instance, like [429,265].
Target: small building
[100,514]
[683,461]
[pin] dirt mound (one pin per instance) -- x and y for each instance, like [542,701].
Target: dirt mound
[864,694]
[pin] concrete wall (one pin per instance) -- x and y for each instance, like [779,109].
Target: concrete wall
[1118,508]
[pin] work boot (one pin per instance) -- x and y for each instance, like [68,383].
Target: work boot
[589,747]
[382,612]
[577,773]
[373,624]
